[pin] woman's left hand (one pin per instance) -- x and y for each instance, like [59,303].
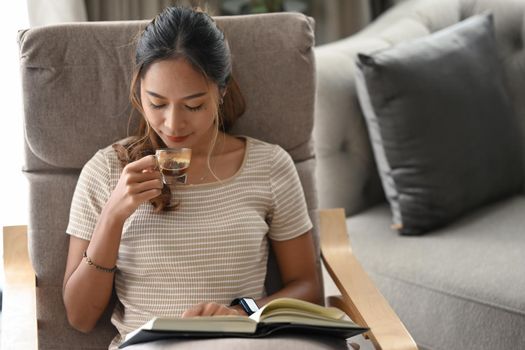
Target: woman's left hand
[213,309]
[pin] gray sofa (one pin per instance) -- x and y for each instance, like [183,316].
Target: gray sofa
[457,287]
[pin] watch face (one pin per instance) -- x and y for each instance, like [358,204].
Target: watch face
[251,304]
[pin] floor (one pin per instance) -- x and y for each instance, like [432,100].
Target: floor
[329,286]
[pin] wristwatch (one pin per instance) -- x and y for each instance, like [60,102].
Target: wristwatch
[248,305]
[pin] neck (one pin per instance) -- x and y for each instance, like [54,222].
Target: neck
[212,147]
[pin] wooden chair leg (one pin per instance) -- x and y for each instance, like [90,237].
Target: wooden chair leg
[360,299]
[19,324]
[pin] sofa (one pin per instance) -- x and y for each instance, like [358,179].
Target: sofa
[460,285]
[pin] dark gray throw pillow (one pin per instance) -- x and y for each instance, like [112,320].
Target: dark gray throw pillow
[442,128]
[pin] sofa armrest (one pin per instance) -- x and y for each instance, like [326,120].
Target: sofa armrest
[19,323]
[360,299]
[346,172]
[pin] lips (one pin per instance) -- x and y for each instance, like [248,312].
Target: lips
[177,139]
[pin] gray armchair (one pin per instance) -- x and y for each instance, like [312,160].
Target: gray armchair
[459,287]
[75,85]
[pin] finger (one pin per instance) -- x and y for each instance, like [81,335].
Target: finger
[146,186]
[193,311]
[147,195]
[147,162]
[224,310]
[142,177]
[211,309]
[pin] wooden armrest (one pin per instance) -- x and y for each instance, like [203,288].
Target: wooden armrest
[360,299]
[19,325]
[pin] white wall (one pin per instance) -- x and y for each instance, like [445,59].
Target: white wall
[14,192]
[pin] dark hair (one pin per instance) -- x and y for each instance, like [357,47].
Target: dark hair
[190,34]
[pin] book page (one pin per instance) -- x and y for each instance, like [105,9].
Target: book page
[238,324]
[297,309]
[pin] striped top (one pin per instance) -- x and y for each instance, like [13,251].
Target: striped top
[214,247]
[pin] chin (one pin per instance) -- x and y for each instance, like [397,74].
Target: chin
[186,143]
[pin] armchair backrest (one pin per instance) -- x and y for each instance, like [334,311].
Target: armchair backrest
[76,86]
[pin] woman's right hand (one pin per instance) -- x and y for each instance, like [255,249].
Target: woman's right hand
[138,183]
[87,290]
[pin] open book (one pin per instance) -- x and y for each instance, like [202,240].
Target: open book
[284,315]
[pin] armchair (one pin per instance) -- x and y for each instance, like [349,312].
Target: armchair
[75,84]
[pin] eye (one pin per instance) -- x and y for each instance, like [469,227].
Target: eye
[194,109]
[154,106]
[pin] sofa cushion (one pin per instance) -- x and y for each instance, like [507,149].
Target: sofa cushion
[459,287]
[443,131]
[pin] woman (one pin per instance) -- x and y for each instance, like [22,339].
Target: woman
[193,248]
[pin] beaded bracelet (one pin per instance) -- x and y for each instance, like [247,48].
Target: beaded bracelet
[98,267]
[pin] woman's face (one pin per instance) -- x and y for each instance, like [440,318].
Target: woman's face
[179,104]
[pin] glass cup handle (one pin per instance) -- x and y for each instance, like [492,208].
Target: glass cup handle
[157,165]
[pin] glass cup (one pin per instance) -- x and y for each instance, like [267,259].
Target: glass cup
[173,164]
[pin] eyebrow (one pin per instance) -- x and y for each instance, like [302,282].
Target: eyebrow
[189,97]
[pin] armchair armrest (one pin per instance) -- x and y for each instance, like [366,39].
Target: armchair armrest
[19,324]
[360,299]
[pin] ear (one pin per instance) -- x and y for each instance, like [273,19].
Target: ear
[222,93]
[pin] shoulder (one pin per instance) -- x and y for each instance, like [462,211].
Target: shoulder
[269,150]
[107,157]
[276,161]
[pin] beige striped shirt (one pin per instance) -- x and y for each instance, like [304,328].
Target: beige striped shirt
[214,247]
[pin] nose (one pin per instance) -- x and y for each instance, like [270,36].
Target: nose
[174,120]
